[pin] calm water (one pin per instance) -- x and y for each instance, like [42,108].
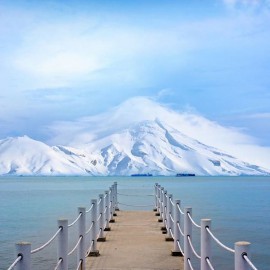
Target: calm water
[238,206]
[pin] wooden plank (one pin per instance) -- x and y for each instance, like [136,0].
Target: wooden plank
[135,242]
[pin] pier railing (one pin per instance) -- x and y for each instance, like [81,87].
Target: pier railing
[100,213]
[173,216]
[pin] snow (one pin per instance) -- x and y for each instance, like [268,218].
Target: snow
[157,145]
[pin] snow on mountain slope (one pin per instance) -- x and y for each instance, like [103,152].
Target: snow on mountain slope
[24,156]
[153,147]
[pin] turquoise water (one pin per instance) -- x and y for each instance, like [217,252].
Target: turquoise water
[238,206]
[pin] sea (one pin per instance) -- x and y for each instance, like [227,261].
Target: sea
[239,208]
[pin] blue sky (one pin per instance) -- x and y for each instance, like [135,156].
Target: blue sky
[62,60]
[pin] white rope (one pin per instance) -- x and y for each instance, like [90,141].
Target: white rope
[15,262]
[166,224]
[171,233]
[178,243]
[218,242]
[178,225]
[99,201]
[47,243]
[87,211]
[99,217]
[89,249]
[190,265]
[105,224]
[193,222]
[80,238]
[105,210]
[99,232]
[193,249]
[105,196]
[171,218]
[79,265]
[137,205]
[178,206]
[58,263]
[136,195]
[171,201]
[88,231]
[209,264]
[75,220]
[249,262]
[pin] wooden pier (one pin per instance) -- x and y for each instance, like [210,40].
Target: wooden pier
[135,242]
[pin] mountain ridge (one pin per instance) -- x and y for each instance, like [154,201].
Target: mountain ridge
[150,146]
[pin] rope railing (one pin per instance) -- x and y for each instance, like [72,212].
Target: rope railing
[171,217]
[219,243]
[105,208]
[89,249]
[209,263]
[87,211]
[171,233]
[15,262]
[192,248]
[134,205]
[136,195]
[193,222]
[74,222]
[179,246]
[47,243]
[90,228]
[180,210]
[77,244]
[171,202]
[249,262]
[99,217]
[58,264]
[171,214]
[79,265]
[190,265]
[179,227]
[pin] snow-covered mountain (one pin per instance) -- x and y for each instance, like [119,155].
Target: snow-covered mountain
[150,146]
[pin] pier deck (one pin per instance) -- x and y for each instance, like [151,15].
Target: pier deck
[135,242]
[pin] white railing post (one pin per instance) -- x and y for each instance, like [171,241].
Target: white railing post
[158,201]
[111,205]
[63,244]
[241,248]
[107,214]
[187,233]
[164,215]
[116,197]
[81,233]
[161,204]
[24,249]
[177,215]
[102,219]
[205,243]
[94,232]
[156,194]
[169,221]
